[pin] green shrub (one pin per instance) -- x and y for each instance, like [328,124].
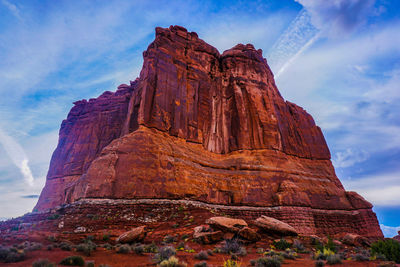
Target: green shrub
[319,263]
[138,249]
[107,246]
[231,263]
[54,216]
[11,254]
[231,246]
[106,237]
[172,262]
[360,257]
[164,253]
[388,247]
[15,256]
[87,248]
[169,239]
[124,249]
[333,259]
[202,255]
[298,246]
[151,248]
[43,263]
[65,246]
[73,261]
[282,244]
[330,245]
[274,261]
[323,255]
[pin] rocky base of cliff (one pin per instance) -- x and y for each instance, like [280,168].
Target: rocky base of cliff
[173,223]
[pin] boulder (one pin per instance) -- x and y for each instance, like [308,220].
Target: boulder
[274,226]
[205,235]
[355,240]
[226,224]
[249,234]
[80,229]
[135,235]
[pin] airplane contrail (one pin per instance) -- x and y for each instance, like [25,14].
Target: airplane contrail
[17,155]
[299,36]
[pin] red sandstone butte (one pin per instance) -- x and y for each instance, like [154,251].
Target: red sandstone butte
[209,127]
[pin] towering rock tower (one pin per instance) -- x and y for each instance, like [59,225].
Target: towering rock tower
[208,127]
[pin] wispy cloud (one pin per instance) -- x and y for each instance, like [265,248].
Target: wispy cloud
[17,155]
[390,231]
[382,189]
[338,17]
[13,9]
[317,19]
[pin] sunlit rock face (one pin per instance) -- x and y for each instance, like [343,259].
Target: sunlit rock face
[204,126]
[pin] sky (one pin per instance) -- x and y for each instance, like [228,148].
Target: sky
[338,59]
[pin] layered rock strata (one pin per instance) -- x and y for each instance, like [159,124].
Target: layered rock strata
[203,126]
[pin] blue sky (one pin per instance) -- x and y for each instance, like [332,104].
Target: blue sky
[340,60]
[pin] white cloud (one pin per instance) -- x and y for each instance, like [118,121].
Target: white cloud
[389,231]
[349,157]
[17,155]
[381,189]
[13,9]
[338,17]
[12,201]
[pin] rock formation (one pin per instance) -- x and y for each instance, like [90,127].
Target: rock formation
[209,127]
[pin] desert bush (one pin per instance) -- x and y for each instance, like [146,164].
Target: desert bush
[65,246]
[52,238]
[298,246]
[73,261]
[54,216]
[289,255]
[138,249]
[104,265]
[106,237]
[50,247]
[107,246]
[202,255]
[274,261]
[201,264]
[231,246]
[270,253]
[333,259]
[231,263]
[282,244]
[319,263]
[15,256]
[388,247]
[169,239]
[322,255]
[151,248]
[11,254]
[172,262]
[89,264]
[87,248]
[123,249]
[43,263]
[360,257]
[30,246]
[242,252]
[210,252]
[164,253]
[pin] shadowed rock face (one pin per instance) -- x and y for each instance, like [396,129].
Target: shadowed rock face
[203,126]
